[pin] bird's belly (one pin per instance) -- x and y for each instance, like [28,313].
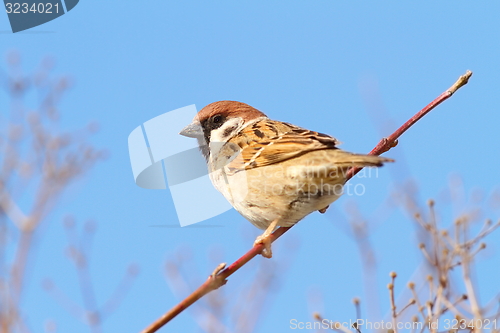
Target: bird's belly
[261,210]
[281,192]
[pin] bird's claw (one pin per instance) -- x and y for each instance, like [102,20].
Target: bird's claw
[266,241]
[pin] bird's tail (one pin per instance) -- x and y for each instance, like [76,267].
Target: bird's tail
[346,159]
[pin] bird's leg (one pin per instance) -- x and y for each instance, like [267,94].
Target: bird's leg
[266,240]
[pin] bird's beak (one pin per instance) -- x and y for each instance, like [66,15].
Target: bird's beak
[192,130]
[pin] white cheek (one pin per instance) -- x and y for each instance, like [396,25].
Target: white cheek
[227,130]
[219,138]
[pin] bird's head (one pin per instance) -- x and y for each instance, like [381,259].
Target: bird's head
[218,122]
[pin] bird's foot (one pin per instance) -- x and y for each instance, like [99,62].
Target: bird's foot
[266,241]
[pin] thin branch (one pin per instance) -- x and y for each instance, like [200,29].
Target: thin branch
[120,291]
[452,307]
[335,326]
[390,286]
[12,210]
[420,308]
[390,142]
[410,303]
[221,273]
[483,233]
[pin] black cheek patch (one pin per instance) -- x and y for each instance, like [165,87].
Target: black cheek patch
[228,131]
[206,131]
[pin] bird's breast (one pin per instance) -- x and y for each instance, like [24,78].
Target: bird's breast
[288,191]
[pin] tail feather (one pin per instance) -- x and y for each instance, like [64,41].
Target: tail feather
[346,159]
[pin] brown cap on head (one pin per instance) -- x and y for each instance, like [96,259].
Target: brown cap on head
[226,109]
[229,108]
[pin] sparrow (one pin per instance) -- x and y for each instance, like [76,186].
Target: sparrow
[273,173]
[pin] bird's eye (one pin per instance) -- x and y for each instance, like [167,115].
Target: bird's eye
[217,119]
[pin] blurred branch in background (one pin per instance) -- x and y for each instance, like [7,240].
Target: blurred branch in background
[78,251]
[219,276]
[38,162]
[444,294]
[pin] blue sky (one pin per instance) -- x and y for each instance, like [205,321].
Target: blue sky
[315,65]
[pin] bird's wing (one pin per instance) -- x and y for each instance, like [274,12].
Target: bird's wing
[267,142]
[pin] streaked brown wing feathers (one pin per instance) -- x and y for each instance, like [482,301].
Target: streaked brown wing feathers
[268,142]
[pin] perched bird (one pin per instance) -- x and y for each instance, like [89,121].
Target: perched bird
[273,173]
